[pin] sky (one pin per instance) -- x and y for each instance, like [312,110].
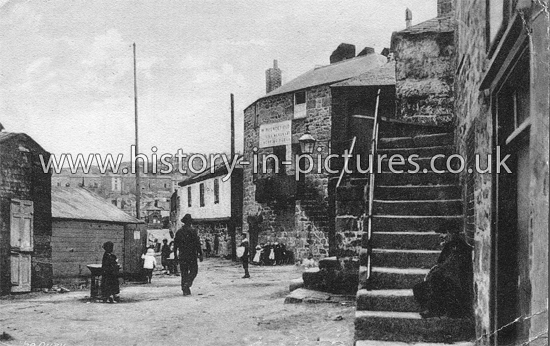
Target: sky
[66,67]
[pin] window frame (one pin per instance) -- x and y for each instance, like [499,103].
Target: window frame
[201,195]
[216,191]
[300,113]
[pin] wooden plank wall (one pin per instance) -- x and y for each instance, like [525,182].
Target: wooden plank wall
[78,243]
[134,248]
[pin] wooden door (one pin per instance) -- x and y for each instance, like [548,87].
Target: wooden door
[21,242]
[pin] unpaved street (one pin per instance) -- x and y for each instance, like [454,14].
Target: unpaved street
[223,310]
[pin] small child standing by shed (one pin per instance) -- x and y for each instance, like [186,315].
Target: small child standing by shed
[149,263]
[109,271]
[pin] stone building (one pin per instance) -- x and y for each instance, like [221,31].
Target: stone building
[295,208]
[474,82]
[25,215]
[502,106]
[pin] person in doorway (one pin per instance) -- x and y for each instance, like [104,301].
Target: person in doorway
[172,260]
[188,248]
[245,243]
[149,264]
[109,267]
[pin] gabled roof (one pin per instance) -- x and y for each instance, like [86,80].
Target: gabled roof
[331,73]
[76,203]
[8,136]
[438,24]
[383,75]
[219,169]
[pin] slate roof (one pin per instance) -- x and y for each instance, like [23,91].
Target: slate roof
[219,169]
[76,203]
[438,24]
[332,73]
[7,136]
[383,75]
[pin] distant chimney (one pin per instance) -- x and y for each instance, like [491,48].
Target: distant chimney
[366,51]
[385,52]
[343,52]
[272,78]
[444,7]
[408,18]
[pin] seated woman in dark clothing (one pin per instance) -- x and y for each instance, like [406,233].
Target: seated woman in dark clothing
[447,289]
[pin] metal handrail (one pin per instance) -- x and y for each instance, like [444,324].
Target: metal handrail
[346,160]
[372,173]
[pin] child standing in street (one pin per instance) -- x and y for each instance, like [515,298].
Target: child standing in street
[149,263]
[109,282]
[164,254]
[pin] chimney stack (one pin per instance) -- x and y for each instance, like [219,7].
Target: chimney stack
[444,7]
[272,78]
[408,18]
[342,52]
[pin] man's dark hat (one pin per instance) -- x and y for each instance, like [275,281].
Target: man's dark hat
[187,219]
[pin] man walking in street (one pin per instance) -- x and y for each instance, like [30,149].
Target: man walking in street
[188,247]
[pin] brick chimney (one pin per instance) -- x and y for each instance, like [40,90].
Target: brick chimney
[444,7]
[408,18]
[272,78]
[343,52]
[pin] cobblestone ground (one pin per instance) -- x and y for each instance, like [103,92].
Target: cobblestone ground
[223,310]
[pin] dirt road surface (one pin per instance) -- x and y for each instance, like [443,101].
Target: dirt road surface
[224,309]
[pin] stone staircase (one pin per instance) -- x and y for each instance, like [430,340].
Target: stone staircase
[409,210]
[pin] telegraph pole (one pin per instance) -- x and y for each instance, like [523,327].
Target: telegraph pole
[233,222]
[138,188]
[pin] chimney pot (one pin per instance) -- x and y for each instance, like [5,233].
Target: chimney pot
[408,18]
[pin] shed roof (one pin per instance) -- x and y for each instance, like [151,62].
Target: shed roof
[77,203]
[331,73]
[437,24]
[383,75]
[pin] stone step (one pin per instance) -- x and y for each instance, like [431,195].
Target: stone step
[387,300]
[398,343]
[428,151]
[404,223]
[350,193]
[417,141]
[426,192]
[415,179]
[406,240]
[413,164]
[395,278]
[402,258]
[410,327]
[423,207]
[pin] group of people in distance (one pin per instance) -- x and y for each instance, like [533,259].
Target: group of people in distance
[272,254]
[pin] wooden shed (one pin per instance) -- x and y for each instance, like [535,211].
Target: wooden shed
[81,223]
[25,215]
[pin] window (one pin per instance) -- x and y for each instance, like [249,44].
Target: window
[189,204]
[67,184]
[216,191]
[201,194]
[95,185]
[300,105]
[58,184]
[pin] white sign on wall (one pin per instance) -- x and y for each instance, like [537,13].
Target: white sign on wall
[275,134]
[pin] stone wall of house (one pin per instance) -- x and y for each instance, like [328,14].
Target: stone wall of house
[302,224]
[473,118]
[425,66]
[21,177]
